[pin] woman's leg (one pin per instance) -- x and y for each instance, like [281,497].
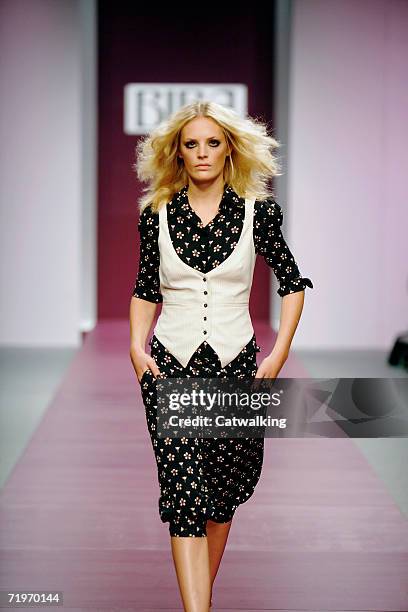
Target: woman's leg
[191,561]
[217,535]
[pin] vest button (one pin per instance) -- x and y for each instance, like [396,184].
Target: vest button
[205,292]
[205,305]
[205,331]
[204,279]
[205,318]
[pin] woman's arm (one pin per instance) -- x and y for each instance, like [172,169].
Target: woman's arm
[146,293]
[271,244]
[291,310]
[141,316]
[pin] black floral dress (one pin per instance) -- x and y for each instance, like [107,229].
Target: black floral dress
[207,478]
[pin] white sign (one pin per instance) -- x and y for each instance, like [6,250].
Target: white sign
[147,104]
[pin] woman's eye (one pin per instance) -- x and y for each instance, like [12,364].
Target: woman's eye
[214,143]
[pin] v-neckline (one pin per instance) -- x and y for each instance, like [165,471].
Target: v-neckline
[198,216]
[227,259]
[200,220]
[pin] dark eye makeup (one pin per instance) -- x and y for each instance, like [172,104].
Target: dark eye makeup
[212,140]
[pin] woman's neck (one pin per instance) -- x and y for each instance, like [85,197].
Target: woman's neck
[205,195]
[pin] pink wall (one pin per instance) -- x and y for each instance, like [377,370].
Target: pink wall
[40,172]
[348,160]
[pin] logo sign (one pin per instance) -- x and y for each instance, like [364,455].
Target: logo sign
[147,104]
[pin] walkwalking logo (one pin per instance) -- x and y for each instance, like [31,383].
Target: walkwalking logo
[282,407]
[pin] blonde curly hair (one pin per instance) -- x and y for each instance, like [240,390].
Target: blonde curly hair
[248,169]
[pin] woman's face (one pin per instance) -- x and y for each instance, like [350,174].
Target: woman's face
[203,148]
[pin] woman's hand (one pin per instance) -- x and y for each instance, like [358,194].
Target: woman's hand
[270,367]
[142,362]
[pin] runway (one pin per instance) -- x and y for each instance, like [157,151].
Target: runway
[79,509]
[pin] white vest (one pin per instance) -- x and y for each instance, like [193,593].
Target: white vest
[181,326]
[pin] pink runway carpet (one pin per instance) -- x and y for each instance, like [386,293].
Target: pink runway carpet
[79,510]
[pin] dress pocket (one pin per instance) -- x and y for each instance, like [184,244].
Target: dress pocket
[144,374]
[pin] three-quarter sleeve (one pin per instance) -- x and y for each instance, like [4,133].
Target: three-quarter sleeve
[270,243]
[147,284]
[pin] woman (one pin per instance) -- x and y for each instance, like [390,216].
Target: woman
[206,213]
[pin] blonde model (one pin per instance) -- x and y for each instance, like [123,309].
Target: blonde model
[206,213]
